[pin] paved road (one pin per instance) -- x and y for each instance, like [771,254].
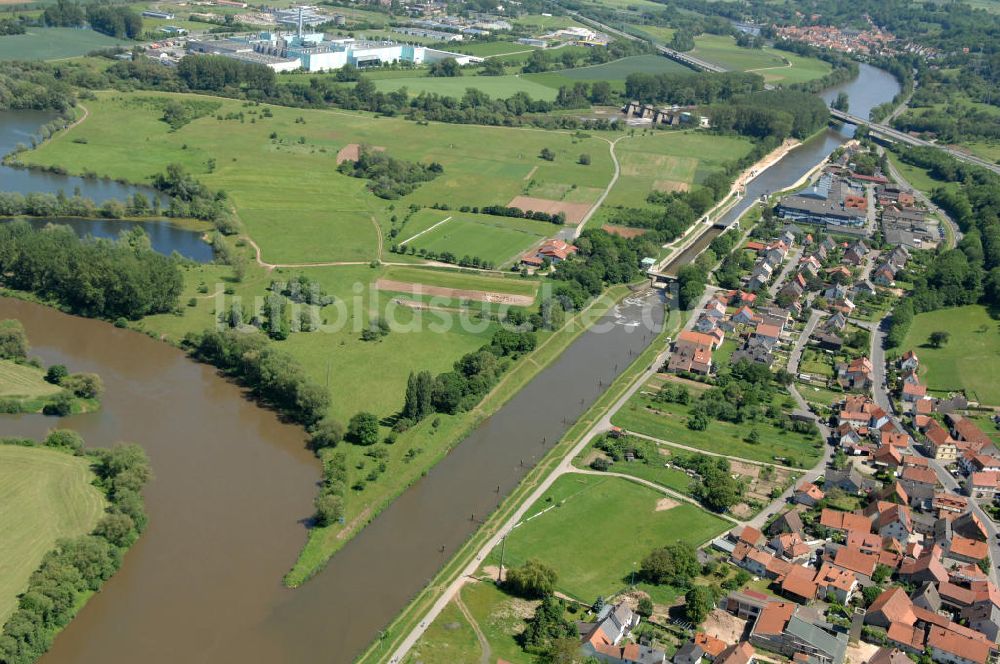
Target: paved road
[946,479]
[902,137]
[791,262]
[819,469]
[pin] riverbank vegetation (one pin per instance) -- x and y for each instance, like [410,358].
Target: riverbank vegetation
[79,564]
[122,278]
[26,386]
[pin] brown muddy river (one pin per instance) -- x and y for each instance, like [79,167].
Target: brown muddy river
[233,485]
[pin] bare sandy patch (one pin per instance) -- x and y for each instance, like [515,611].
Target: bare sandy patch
[349,152]
[458,293]
[664,504]
[623,231]
[745,469]
[575,212]
[670,185]
[724,626]
[861,652]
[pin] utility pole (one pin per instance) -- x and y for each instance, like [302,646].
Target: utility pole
[503,545]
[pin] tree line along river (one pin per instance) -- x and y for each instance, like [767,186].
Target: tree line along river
[233,485]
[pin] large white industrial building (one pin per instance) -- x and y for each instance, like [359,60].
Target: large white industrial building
[313,52]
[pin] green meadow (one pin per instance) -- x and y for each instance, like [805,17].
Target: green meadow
[668,161]
[494,86]
[970,361]
[597,530]
[286,189]
[54,43]
[499,240]
[668,422]
[774,65]
[45,495]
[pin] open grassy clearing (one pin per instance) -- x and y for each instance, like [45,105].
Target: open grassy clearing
[614,71]
[669,161]
[500,617]
[446,278]
[494,86]
[653,32]
[496,239]
[22,381]
[491,48]
[774,65]
[598,528]
[450,638]
[970,360]
[723,51]
[288,193]
[668,422]
[54,43]
[44,495]
[547,23]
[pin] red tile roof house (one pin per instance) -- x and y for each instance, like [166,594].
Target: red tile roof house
[857,375]
[983,485]
[909,361]
[927,568]
[808,493]
[844,521]
[692,352]
[911,627]
[751,536]
[920,475]
[798,584]
[967,550]
[966,430]
[741,653]
[837,582]
[913,393]
[946,645]
[895,522]
[555,250]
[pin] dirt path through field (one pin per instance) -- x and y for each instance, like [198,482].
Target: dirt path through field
[487,654]
[456,293]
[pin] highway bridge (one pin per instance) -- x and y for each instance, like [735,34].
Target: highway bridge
[683,58]
[890,134]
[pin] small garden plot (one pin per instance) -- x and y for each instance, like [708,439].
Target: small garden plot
[495,240]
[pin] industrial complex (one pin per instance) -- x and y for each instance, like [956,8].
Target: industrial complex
[313,52]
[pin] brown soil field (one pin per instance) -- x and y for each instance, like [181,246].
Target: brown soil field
[575,212]
[479,296]
[349,152]
[623,231]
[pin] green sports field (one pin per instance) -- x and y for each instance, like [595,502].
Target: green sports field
[54,44]
[44,495]
[496,239]
[970,360]
[597,528]
[447,278]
